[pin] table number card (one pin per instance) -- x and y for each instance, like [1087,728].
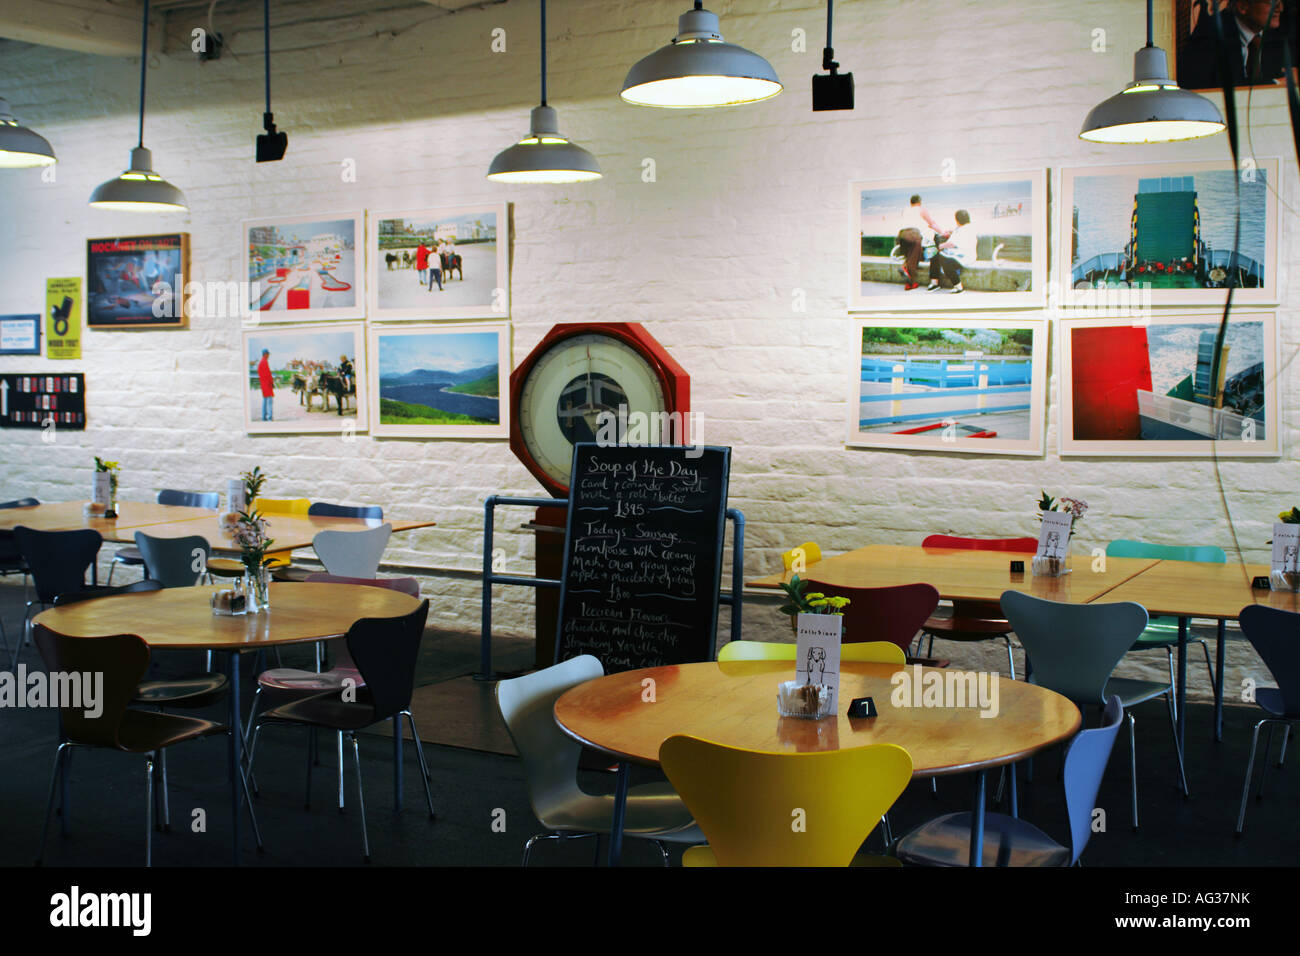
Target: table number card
[817,654]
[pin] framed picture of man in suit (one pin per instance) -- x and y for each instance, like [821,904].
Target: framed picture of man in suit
[1255,31]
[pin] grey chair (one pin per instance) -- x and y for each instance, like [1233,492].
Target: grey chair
[654,811]
[325,509]
[130,555]
[352,554]
[12,562]
[1073,650]
[1272,632]
[174,562]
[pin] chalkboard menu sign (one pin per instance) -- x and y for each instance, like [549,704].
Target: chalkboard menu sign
[643,554]
[43,401]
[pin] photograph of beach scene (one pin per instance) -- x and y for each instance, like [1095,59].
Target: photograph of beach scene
[305,379]
[969,386]
[440,263]
[304,269]
[971,241]
[440,381]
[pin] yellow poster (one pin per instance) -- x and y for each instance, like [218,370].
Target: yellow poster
[63,318]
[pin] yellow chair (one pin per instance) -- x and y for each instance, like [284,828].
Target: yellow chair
[811,554]
[282,506]
[783,809]
[231,568]
[881,652]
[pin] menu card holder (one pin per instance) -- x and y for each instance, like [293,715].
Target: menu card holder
[814,692]
[1285,575]
[1053,545]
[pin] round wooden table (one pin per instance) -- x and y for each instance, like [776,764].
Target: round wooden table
[734,703]
[182,618]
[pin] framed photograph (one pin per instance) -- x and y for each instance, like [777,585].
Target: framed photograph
[137,282]
[307,268]
[1194,48]
[971,241]
[308,378]
[20,335]
[440,381]
[1169,387]
[1165,232]
[450,263]
[943,384]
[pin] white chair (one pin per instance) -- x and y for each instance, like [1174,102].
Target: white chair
[654,810]
[352,554]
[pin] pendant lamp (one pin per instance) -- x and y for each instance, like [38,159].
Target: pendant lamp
[699,69]
[544,156]
[1153,108]
[140,189]
[19,146]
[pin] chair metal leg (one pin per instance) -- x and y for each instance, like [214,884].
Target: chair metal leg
[528,847]
[1286,735]
[162,779]
[111,566]
[424,766]
[252,816]
[148,813]
[1178,744]
[1250,769]
[248,727]
[361,797]
[663,849]
[1133,766]
[65,795]
[1011,661]
[1263,764]
[1209,667]
[55,776]
[1170,652]
[311,735]
[340,749]
[886,832]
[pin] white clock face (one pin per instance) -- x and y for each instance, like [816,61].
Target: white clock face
[571,385]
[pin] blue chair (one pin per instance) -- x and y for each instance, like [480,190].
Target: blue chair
[1161,631]
[1073,649]
[57,561]
[1272,632]
[326,510]
[1010,841]
[130,555]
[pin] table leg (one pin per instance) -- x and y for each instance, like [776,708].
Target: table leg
[236,756]
[1218,679]
[1182,682]
[620,808]
[977,822]
[397,762]
[1015,803]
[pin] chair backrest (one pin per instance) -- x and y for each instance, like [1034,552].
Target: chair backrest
[175,562]
[1126,548]
[190,499]
[527,705]
[20,503]
[811,554]
[1085,765]
[282,506]
[879,652]
[409,586]
[1019,545]
[324,508]
[121,659]
[1273,633]
[58,559]
[1074,647]
[891,614]
[135,587]
[352,554]
[385,651]
[745,800]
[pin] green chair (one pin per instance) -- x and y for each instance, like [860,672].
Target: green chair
[1163,631]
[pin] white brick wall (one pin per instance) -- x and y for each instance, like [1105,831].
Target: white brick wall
[748,205]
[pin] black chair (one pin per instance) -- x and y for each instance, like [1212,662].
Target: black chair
[385,651]
[325,509]
[57,562]
[1272,632]
[130,555]
[11,560]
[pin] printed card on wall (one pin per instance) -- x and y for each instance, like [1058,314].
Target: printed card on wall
[817,654]
[63,318]
[20,335]
[43,401]
[1286,547]
[1054,538]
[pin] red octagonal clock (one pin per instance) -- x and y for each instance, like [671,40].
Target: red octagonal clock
[578,372]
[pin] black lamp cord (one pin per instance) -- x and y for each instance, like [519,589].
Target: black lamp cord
[828,54]
[544,52]
[268,121]
[144,62]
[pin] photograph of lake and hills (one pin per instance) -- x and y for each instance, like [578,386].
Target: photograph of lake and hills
[438,378]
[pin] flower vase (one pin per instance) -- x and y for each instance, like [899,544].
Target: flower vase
[257,588]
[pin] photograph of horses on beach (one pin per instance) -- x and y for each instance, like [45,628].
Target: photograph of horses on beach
[438,381]
[962,241]
[305,269]
[1169,230]
[953,385]
[308,378]
[449,263]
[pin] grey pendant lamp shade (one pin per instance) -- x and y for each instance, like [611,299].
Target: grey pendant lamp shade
[19,146]
[699,69]
[1152,109]
[544,156]
[140,189]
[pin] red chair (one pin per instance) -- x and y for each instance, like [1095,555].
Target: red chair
[892,614]
[975,620]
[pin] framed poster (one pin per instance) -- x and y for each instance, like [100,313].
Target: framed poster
[137,282]
[1167,229]
[48,402]
[20,335]
[450,263]
[969,241]
[969,385]
[1155,389]
[307,268]
[309,378]
[63,318]
[440,381]
[1195,43]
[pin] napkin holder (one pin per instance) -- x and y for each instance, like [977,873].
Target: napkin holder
[806,701]
[1045,565]
[231,602]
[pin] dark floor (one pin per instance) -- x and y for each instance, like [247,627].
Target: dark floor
[475,782]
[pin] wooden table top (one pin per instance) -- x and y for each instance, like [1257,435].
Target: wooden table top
[1199,589]
[68,516]
[289,532]
[182,617]
[958,573]
[735,703]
